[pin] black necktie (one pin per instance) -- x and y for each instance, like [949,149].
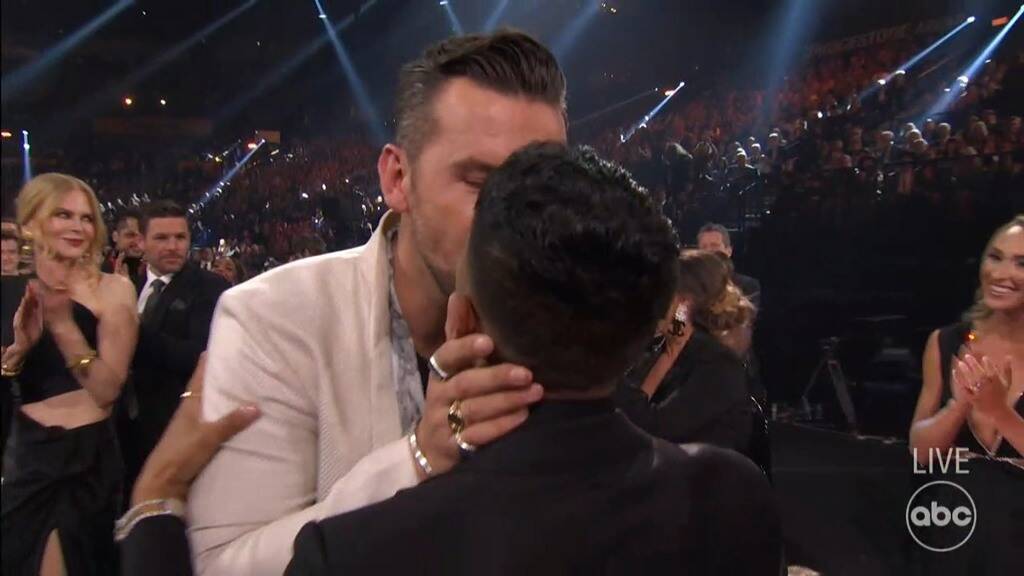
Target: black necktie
[154,295]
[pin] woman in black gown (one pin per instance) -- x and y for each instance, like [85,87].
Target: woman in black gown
[691,386]
[74,335]
[955,407]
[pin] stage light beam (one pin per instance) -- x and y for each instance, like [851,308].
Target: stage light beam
[26,160]
[19,79]
[650,115]
[370,115]
[917,57]
[453,19]
[495,17]
[615,106]
[217,189]
[947,98]
[279,73]
[571,33]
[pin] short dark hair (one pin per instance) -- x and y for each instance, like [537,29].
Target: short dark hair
[508,61]
[160,209]
[124,216]
[712,227]
[571,265]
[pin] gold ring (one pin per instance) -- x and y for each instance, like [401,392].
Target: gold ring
[463,445]
[455,420]
[189,394]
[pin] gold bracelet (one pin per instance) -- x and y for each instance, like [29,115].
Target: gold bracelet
[83,361]
[8,372]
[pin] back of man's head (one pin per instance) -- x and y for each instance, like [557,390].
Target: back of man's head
[569,265]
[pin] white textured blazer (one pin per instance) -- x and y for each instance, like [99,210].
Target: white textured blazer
[309,343]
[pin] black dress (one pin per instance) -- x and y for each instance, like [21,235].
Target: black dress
[704,397]
[63,480]
[951,339]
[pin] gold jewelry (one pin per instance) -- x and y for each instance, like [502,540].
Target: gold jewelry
[190,394]
[83,361]
[455,420]
[7,371]
[463,445]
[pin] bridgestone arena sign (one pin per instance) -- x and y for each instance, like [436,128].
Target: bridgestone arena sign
[908,30]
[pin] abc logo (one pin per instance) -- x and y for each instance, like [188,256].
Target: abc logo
[941,516]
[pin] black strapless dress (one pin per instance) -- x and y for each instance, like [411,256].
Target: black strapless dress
[951,338]
[63,480]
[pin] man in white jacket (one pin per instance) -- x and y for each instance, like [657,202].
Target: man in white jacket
[334,349]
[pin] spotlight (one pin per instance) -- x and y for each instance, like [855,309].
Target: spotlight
[898,72]
[323,186]
[163,102]
[881,81]
[443,3]
[251,145]
[970,19]
[128,101]
[6,134]
[218,159]
[305,196]
[322,16]
[963,79]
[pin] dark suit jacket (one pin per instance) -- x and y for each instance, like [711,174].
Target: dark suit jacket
[576,489]
[156,546]
[704,397]
[170,343]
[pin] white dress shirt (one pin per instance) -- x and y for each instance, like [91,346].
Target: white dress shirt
[310,343]
[147,288]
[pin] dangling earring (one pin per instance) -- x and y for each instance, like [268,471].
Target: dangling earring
[679,320]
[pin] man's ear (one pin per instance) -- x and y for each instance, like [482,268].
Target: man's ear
[394,171]
[462,318]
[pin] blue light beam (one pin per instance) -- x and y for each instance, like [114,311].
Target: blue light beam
[613,107]
[953,92]
[572,32]
[114,93]
[650,115]
[453,19]
[902,69]
[278,74]
[25,159]
[217,189]
[495,17]
[19,79]
[370,115]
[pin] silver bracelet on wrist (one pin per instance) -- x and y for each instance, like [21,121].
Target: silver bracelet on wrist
[163,507]
[418,456]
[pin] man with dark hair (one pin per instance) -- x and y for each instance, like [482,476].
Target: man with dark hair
[176,304]
[335,349]
[569,267]
[126,258]
[715,238]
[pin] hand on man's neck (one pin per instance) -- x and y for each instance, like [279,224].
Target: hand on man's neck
[424,305]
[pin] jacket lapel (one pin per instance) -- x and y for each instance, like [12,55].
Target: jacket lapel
[383,396]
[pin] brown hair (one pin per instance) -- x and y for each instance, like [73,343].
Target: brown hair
[507,61]
[717,304]
[979,311]
[38,199]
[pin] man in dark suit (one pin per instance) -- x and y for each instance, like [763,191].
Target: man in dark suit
[176,304]
[715,238]
[569,266]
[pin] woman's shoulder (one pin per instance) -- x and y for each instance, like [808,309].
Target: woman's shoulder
[115,288]
[952,336]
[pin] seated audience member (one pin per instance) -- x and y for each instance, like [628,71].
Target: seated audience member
[971,396]
[154,527]
[569,266]
[690,387]
[126,258]
[715,238]
[176,304]
[230,269]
